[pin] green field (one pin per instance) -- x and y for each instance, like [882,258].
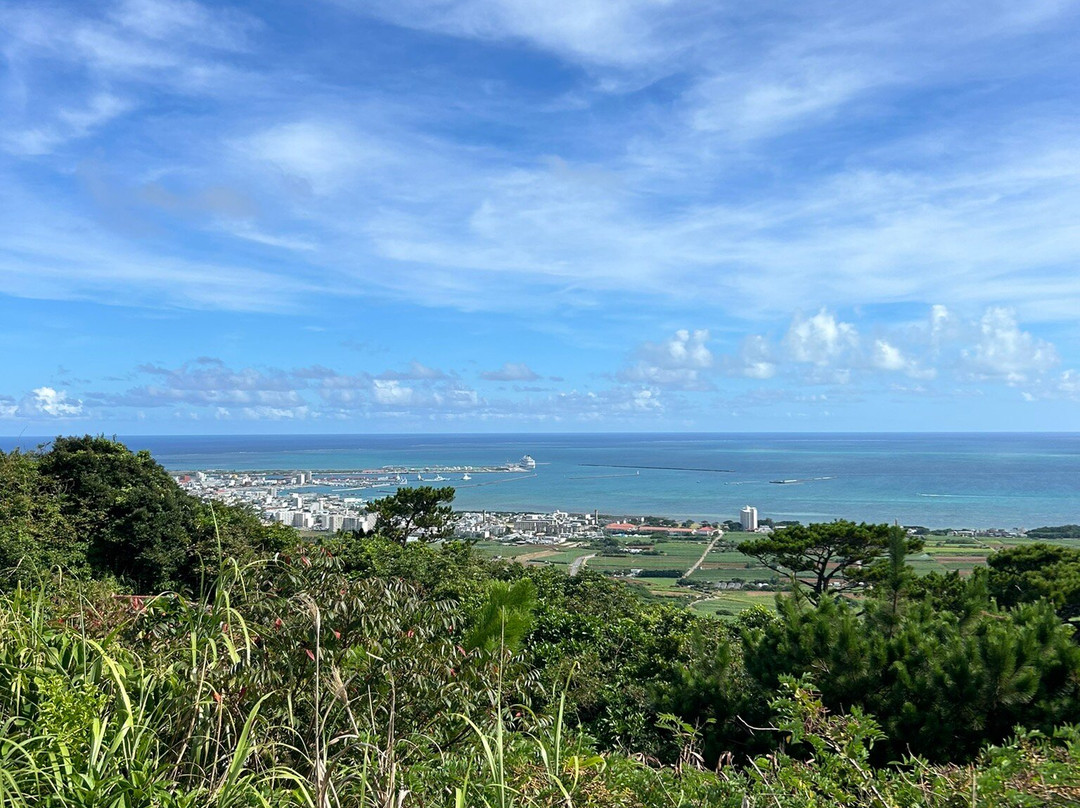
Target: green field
[941,554]
[727,604]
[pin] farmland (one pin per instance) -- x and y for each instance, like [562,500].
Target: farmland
[656,573]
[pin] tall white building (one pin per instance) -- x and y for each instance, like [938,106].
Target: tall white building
[748,518]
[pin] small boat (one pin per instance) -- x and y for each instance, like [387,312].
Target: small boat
[466,476]
[783,482]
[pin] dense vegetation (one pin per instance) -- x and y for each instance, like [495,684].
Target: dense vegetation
[1056,532]
[92,507]
[371,671]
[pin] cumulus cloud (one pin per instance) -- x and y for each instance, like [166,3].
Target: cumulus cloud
[1069,384]
[886,356]
[47,402]
[1005,351]
[820,339]
[208,382]
[511,372]
[393,393]
[678,363]
[824,349]
[754,359]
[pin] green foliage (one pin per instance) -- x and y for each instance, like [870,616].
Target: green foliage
[135,519]
[34,530]
[941,686]
[423,511]
[91,506]
[295,683]
[505,618]
[1031,572]
[819,556]
[1057,532]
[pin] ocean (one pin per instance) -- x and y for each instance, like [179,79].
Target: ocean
[936,480]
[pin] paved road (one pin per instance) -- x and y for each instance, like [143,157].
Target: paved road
[701,560]
[578,563]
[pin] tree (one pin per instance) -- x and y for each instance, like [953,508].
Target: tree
[890,577]
[423,511]
[35,535]
[941,685]
[90,504]
[1029,572]
[135,519]
[819,555]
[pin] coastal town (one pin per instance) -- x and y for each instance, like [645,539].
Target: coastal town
[329,502]
[333,501]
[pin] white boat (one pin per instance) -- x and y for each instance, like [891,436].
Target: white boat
[527,462]
[466,476]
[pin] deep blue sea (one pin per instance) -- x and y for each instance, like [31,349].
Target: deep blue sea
[936,480]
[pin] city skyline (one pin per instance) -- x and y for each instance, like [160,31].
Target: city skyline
[512,216]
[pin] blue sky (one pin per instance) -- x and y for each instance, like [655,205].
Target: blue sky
[507,215]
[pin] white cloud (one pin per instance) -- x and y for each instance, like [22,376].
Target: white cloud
[416,371]
[391,392]
[325,155]
[185,20]
[511,372]
[939,318]
[1069,384]
[49,403]
[678,363]
[593,31]
[67,123]
[888,357]
[1004,351]
[820,339]
[754,359]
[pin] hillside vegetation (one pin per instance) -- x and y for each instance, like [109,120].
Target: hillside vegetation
[157,652]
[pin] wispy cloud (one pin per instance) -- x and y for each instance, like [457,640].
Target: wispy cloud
[511,372]
[649,189]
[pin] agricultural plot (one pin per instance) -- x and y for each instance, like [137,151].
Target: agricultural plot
[940,555]
[494,548]
[666,589]
[708,574]
[729,604]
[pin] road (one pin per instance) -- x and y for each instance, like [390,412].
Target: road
[578,563]
[701,560]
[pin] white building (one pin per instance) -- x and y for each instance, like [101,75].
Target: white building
[748,518]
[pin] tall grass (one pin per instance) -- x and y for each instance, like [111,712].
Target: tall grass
[289,684]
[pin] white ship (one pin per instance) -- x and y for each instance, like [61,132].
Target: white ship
[466,476]
[527,462]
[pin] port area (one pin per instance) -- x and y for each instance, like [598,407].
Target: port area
[358,478]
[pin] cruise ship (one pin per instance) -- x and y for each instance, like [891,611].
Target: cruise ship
[527,462]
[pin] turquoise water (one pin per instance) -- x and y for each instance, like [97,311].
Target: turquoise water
[937,480]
